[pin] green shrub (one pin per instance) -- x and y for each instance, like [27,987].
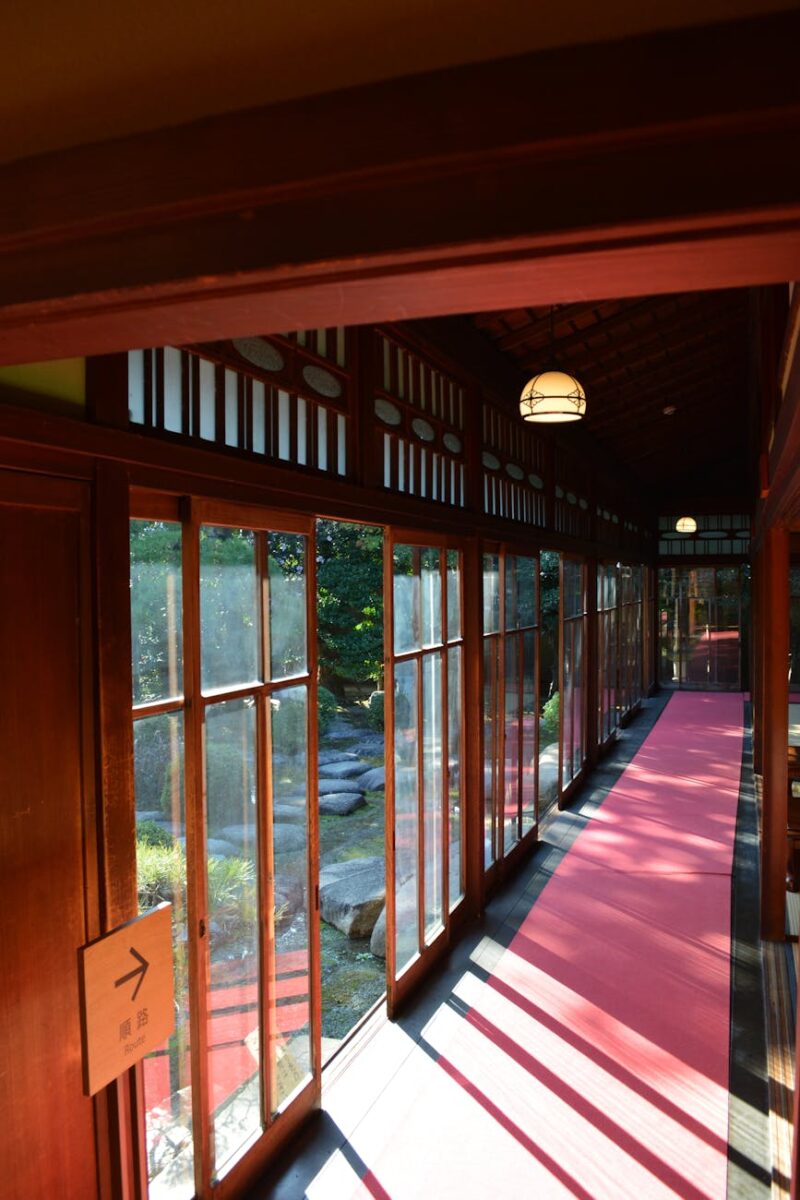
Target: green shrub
[153,834]
[327,706]
[161,873]
[548,729]
[375,710]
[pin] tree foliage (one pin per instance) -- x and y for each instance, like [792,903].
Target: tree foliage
[349,603]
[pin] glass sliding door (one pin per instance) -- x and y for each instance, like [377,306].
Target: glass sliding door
[424,726]
[511,700]
[607,717]
[700,613]
[630,638]
[573,691]
[224,692]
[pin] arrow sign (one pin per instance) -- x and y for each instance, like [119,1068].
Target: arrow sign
[141,971]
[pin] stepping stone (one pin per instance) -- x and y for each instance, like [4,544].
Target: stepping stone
[341,804]
[371,745]
[338,731]
[405,914]
[239,834]
[342,770]
[294,814]
[288,838]
[221,849]
[352,894]
[335,756]
[328,786]
[373,780]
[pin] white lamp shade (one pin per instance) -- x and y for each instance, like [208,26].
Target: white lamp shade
[552,396]
[686,525]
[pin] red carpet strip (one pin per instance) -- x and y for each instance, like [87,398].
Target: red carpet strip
[591,1059]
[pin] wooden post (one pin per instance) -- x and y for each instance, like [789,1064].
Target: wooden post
[774,622]
[117,809]
[757,660]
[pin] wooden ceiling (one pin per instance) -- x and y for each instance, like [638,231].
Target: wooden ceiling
[637,360]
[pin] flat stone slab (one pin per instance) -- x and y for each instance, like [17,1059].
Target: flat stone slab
[370,745]
[288,838]
[341,804]
[328,786]
[335,756]
[352,894]
[339,731]
[373,780]
[294,814]
[342,770]
[220,848]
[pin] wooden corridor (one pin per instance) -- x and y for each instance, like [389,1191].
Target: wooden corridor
[580,1043]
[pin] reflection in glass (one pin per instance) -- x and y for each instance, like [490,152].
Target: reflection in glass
[566,707]
[529,673]
[491,741]
[406,599]
[229,608]
[431,597]
[453,595]
[432,782]
[512,746]
[406,790]
[288,1020]
[491,593]
[233,927]
[549,659]
[161,876]
[156,612]
[454,711]
[287,605]
[577,701]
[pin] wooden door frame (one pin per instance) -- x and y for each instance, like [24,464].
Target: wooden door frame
[399,989]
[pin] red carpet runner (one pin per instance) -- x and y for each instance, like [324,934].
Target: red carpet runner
[591,1059]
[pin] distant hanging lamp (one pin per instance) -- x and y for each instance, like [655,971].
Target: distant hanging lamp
[553,395]
[686,525]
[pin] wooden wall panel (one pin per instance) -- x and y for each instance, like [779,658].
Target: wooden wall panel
[47,1134]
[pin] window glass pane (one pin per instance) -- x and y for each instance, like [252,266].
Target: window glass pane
[549,660]
[406,737]
[491,593]
[491,741]
[157,658]
[431,596]
[433,771]
[453,595]
[287,605]
[289,1019]
[566,707]
[527,571]
[233,928]
[511,615]
[454,711]
[529,675]
[577,706]
[161,876]
[406,599]
[512,747]
[229,609]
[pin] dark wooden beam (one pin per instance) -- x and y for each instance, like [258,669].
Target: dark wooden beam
[563,314]
[644,345]
[365,209]
[608,325]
